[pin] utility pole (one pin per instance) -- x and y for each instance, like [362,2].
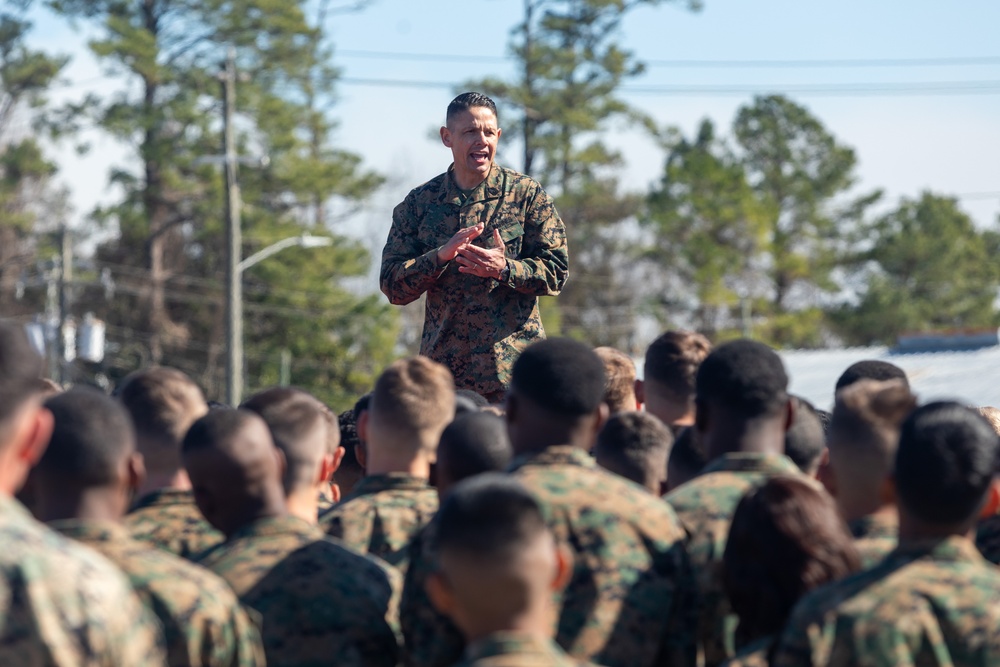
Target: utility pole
[234,238]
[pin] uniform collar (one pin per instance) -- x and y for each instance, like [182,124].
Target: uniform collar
[558,455]
[491,187]
[164,497]
[954,549]
[91,530]
[392,481]
[277,525]
[880,524]
[507,643]
[771,464]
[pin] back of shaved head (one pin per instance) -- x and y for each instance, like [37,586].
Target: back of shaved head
[299,425]
[230,457]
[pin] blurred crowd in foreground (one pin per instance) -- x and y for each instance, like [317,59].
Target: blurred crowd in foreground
[701,516]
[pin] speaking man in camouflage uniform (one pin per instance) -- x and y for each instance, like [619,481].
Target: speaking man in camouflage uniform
[413,401]
[318,601]
[933,600]
[864,433]
[483,242]
[743,411]
[81,488]
[60,604]
[163,403]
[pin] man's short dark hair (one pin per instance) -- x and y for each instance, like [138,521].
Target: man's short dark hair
[672,362]
[871,369]
[214,428]
[20,368]
[467,401]
[470,100]
[629,443]
[687,456]
[805,439]
[474,443]
[292,415]
[561,375]
[489,516]
[744,377]
[945,463]
[91,435]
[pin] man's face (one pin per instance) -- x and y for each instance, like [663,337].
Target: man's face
[472,136]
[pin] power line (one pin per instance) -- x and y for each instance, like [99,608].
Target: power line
[917,88]
[699,64]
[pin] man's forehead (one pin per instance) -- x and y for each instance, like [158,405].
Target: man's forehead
[473,117]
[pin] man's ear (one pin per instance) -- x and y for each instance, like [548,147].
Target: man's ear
[440,593]
[336,459]
[327,467]
[445,136]
[564,567]
[790,409]
[640,393]
[135,471]
[601,417]
[35,435]
[279,457]
[992,500]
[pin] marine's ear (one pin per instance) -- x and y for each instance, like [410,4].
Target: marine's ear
[564,567]
[445,136]
[440,593]
[992,505]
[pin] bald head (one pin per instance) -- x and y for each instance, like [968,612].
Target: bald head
[163,403]
[300,428]
[234,468]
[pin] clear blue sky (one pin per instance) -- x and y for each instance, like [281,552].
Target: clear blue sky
[905,143]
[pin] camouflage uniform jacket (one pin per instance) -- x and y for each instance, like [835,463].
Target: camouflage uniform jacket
[988,538]
[627,600]
[476,326]
[875,536]
[202,620]
[170,520]
[930,603]
[705,506]
[382,515]
[507,649]
[63,605]
[319,602]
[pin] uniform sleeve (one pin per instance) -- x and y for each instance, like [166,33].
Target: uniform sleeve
[543,266]
[407,271]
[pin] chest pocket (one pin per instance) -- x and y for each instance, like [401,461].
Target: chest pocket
[512,233]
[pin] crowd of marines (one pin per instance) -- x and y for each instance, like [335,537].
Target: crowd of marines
[699,516]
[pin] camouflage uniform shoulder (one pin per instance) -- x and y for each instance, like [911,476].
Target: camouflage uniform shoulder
[428,190]
[65,604]
[170,520]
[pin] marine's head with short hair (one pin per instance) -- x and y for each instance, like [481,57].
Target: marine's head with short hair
[24,424]
[636,445]
[742,400]
[498,562]
[235,469]
[687,459]
[91,466]
[945,465]
[667,388]
[805,440]
[472,132]
[472,444]
[301,428]
[871,369]
[864,433]
[163,403]
[619,389]
[467,102]
[556,396]
[413,401]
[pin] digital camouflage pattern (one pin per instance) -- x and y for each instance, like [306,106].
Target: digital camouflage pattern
[170,520]
[319,603]
[930,603]
[382,515]
[627,602]
[203,622]
[754,654]
[430,639]
[64,605]
[705,506]
[506,649]
[476,326]
[875,536]
[988,538]
[325,500]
